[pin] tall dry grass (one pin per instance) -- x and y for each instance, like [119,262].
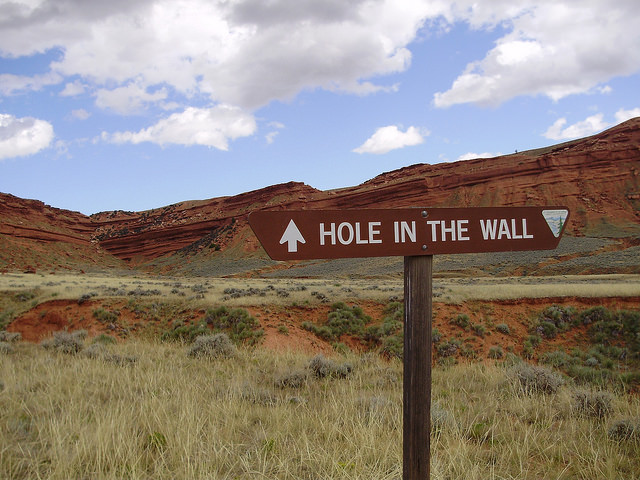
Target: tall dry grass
[169,416]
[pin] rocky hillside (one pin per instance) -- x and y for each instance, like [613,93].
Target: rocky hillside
[598,178]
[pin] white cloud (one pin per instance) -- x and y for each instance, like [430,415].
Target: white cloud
[390,138]
[623,115]
[129,99]
[553,48]
[14,84]
[80,114]
[589,126]
[72,89]
[473,156]
[245,52]
[251,52]
[270,137]
[20,137]
[211,127]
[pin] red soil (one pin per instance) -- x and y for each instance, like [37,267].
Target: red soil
[283,325]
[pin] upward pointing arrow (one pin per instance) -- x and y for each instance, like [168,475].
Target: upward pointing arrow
[292,236]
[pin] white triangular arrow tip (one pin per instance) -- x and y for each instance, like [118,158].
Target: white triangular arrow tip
[292,236]
[555,219]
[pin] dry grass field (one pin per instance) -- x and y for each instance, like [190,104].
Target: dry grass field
[279,291]
[152,403]
[146,410]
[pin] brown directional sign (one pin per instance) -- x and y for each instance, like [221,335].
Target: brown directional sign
[316,234]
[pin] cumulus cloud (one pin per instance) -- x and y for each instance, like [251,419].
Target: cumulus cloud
[15,84]
[20,137]
[472,155]
[584,128]
[623,115]
[553,48]
[390,138]
[129,99]
[246,52]
[80,114]
[72,89]
[250,52]
[270,137]
[211,127]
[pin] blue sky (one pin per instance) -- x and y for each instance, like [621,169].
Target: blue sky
[137,105]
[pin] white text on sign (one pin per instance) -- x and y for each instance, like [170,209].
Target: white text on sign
[362,233]
[497,229]
[345,233]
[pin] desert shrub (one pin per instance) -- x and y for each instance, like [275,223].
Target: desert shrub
[592,403]
[237,323]
[283,329]
[10,337]
[559,315]
[65,342]
[294,379]
[322,367]
[552,320]
[625,429]
[105,316]
[6,317]
[479,329]
[546,329]
[395,310]
[503,328]
[595,314]
[535,379]
[534,340]
[461,320]
[556,359]
[321,331]
[85,297]
[496,352]
[188,332]
[6,348]
[606,331]
[630,320]
[389,326]
[218,345]
[448,348]
[393,346]
[344,319]
[436,336]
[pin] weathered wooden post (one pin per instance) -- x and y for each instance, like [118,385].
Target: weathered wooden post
[416,421]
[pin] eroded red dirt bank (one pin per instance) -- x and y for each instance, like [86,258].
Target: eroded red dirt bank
[283,324]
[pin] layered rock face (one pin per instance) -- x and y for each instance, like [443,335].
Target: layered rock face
[598,178]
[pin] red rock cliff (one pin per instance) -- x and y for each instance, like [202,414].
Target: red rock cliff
[598,178]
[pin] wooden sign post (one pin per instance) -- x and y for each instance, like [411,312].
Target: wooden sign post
[416,234]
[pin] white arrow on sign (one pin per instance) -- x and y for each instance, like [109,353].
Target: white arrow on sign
[292,236]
